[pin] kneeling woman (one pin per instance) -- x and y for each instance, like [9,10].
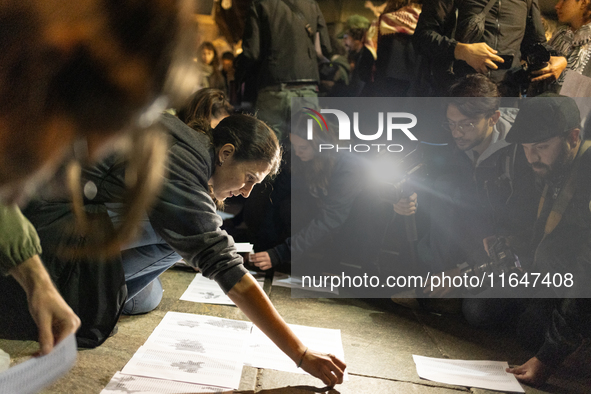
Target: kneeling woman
[205,167]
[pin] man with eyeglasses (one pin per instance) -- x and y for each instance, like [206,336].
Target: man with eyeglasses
[469,199]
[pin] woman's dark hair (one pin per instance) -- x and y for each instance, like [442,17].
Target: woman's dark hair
[215,62]
[215,79]
[252,138]
[103,79]
[317,171]
[475,85]
[100,80]
[204,105]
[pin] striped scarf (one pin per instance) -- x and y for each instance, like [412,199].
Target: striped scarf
[574,45]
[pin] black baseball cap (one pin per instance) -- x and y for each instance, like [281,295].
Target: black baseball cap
[543,117]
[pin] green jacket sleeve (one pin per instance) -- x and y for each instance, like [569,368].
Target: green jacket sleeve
[18,239]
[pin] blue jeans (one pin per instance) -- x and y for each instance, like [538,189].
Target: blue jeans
[143,262]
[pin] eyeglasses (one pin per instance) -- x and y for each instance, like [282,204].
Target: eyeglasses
[463,127]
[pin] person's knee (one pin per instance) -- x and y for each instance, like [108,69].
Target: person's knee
[146,300]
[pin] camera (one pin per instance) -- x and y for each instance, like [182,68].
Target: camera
[536,57]
[517,81]
[501,260]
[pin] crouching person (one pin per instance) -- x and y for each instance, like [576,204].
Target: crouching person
[204,167]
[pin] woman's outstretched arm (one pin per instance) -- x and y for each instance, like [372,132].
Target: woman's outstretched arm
[255,304]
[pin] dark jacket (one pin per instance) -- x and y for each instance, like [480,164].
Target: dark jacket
[184,214]
[276,44]
[362,74]
[345,185]
[567,249]
[509,28]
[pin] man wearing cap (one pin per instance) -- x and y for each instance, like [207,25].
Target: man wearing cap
[361,59]
[548,129]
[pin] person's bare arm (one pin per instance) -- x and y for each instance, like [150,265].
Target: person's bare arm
[54,318]
[250,298]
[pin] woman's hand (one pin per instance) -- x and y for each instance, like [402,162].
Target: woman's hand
[326,367]
[261,260]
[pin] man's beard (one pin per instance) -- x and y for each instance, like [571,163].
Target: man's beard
[471,146]
[556,171]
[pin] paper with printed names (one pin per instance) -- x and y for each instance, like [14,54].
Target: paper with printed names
[192,348]
[124,384]
[158,362]
[263,353]
[190,353]
[33,375]
[489,375]
[207,291]
[207,335]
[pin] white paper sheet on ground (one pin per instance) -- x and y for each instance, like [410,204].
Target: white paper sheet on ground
[154,361]
[263,353]
[193,321]
[207,335]
[205,291]
[33,375]
[483,374]
[124,384]
[244,247]
[284,280]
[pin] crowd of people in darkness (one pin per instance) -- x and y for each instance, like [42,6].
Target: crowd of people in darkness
[123,137]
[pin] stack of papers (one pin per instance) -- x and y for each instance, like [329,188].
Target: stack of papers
[33,375]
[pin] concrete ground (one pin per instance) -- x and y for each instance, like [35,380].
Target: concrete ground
[379,339]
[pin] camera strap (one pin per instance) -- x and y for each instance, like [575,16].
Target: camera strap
[296,11]
[565,196]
